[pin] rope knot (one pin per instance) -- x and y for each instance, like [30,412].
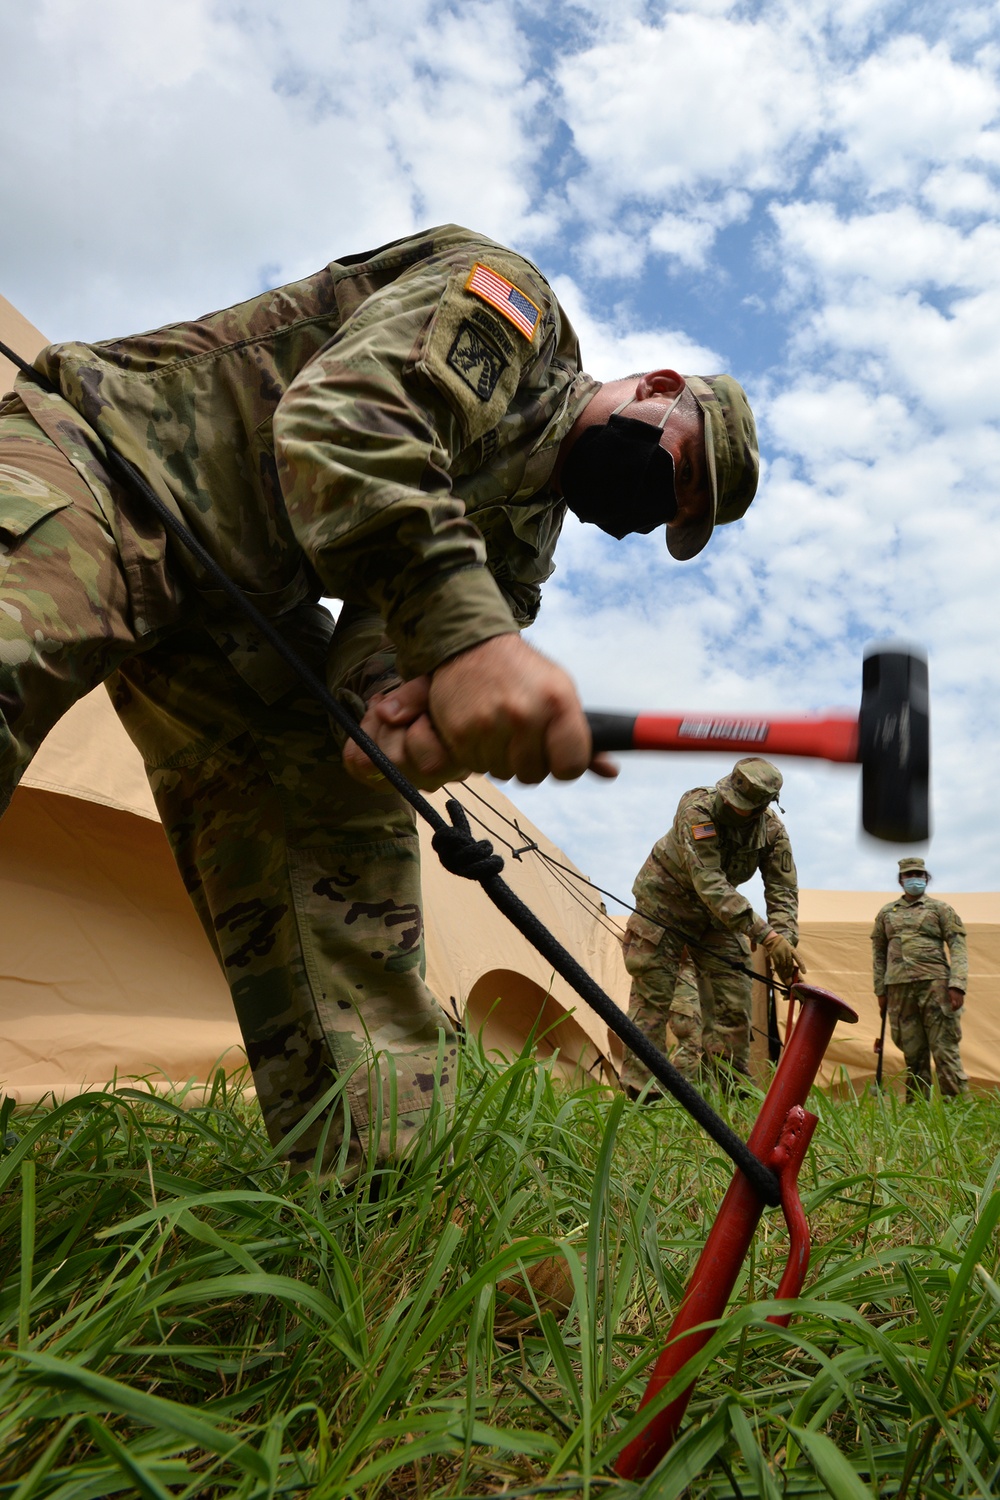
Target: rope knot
[460,853]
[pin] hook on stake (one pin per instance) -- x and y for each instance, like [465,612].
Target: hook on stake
[780,1137]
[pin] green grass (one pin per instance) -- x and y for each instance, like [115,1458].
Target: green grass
[178,1317]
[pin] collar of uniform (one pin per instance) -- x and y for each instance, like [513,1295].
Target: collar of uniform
[575,397]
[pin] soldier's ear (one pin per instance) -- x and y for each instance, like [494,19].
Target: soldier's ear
[658,383]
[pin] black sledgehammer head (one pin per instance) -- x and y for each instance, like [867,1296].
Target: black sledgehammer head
[894,745]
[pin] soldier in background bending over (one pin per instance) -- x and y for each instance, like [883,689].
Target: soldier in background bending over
[686,895]
[922,985]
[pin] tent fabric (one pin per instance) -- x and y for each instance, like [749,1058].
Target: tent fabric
[88,755]
[21,336]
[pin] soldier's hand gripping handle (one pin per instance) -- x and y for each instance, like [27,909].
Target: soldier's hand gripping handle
[787,964]
[504,708]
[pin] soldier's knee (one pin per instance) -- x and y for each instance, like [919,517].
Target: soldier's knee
[685,1028]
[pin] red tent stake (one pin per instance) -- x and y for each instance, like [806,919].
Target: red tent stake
[779,1137]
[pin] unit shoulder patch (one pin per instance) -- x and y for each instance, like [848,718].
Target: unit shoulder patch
[475,360]
[493,329]
[703,830]
[508,300]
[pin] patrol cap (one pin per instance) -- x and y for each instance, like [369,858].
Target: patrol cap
[910,865]
[731,457]
[751,784]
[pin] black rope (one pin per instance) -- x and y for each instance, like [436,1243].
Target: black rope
[459,852]
[769,981]
[596,911]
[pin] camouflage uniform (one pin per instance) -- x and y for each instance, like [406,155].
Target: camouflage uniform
[686,1017]
[686,890]
[378,433]
[910,967]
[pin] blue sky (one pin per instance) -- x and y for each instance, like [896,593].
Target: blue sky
[804,194]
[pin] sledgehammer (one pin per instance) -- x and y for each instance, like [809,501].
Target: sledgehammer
[890,737]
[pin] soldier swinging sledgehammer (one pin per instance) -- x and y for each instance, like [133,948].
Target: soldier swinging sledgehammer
[403,431]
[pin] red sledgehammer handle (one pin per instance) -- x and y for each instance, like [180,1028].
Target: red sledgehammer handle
[827,736]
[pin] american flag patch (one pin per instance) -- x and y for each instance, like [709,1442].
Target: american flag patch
[703,830]
[505,297]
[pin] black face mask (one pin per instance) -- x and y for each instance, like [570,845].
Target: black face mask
[619,478]
[732,819]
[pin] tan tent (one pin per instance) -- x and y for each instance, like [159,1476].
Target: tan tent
[18,334]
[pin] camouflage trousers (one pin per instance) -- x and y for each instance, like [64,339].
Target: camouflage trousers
[686,1018]
[710,1014]
[307,884]
[923,1025]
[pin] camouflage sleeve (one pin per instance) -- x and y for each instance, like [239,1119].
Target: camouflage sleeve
[953,933]
[699,851]
[366,437]
[880,949]
[361,662]
[781,883]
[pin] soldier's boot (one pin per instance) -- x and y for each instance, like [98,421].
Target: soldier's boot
[730,1045]
[952,1080]
[918,1073]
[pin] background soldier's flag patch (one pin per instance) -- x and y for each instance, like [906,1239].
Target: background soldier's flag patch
[505,297]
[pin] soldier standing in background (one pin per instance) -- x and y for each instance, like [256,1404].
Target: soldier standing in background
[922,985]
[686,895]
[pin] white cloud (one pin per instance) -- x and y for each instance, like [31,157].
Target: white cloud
[952,192]
[613,345]
[163,160]
[185,159]
[823,421]
[949,361]
[896,248]
[688,237]
[912,105]
[700,99]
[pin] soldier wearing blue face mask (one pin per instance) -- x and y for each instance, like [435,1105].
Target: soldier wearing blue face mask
[920,971]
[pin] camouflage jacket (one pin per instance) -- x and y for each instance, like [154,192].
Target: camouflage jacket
[704,858]
[909,939]
[379,432]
